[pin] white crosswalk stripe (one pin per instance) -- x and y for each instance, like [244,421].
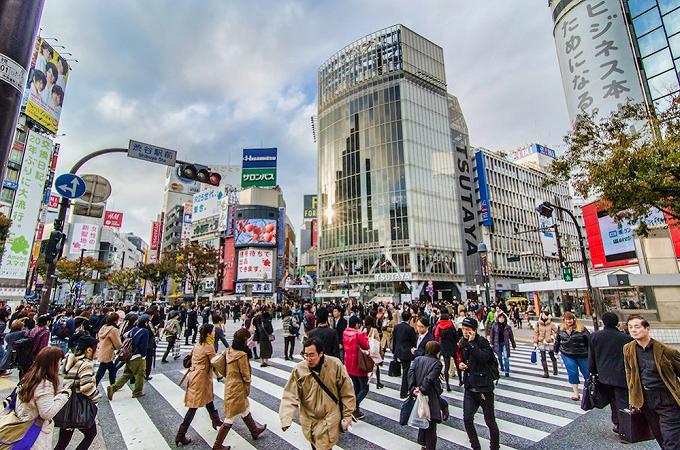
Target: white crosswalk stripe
[528,409]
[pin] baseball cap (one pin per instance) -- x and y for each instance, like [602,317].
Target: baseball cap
[470,323]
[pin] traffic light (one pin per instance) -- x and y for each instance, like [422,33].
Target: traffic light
[197,172]
[54,246]
[568,273]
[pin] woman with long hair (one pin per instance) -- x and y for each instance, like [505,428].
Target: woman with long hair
[38,395]
[544,340]
[236,390]
[109,342]
[572,343]
[265,334]
[200,387]
[374,344]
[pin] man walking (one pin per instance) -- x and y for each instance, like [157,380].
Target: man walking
[339,324]
[320,388]
[135,367]
[192,325]
[476,361]
[404,340]
[652,371]
[605,360]
[326,334]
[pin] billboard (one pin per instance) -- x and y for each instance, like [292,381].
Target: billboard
[113,219]
[181,185]
[53,202]
[255,264]
[226,217]
[484,202]
[27,201]
[255,232]
[259,167]
[84,237]
[206,204]
[229,273]
[46,85]
[310,211]
[532,149]
[257,288]
[596,61]
[155,235]
[186,221]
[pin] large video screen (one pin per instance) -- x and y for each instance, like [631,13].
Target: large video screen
[255,232]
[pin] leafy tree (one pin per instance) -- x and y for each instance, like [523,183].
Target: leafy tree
[193,262]
[630,160]
[155,273]
[5,223]
[71,270]
[124,280]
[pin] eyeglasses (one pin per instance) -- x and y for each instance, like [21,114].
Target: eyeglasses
[310,355]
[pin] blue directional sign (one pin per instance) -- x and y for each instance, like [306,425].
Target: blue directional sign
[70,185]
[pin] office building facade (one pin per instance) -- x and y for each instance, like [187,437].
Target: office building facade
[389,202]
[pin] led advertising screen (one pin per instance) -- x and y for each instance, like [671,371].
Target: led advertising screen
[254,232]
[255,264]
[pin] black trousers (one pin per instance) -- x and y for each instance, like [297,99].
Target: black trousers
[618,399]
[188,332]
[191,412]
[405,365]
[447,366]
[168,349]
[663,416]
[66,434]
[427,437]
[288,343]
[471,403]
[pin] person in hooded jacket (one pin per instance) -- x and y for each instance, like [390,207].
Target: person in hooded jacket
[171,332]
[109,342]
[423,378]
[446,334]
[500,338]
[79,369]
[353,342]
[236,391]
[544,340]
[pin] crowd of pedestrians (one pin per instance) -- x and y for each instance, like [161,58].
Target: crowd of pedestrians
[69,352]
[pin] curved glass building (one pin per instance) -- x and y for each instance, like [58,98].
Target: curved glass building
[390,211]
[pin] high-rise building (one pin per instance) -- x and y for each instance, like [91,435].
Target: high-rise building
[394,171]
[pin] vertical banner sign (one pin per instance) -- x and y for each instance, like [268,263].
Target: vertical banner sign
[315,232]
[53,202]
[484,205]
[279,255]
[186,221]
[229,274]
[26,208]
[155,235]
[84,237]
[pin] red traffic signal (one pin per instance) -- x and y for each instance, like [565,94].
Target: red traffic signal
[198,173]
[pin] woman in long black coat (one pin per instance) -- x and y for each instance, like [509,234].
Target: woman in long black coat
[423,378]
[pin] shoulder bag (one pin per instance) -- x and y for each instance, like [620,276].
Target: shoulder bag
[328,392]
[79,412]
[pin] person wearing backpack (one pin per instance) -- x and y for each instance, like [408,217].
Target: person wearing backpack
[480,370]
[291,330]
[40,335]
[16,333]
[61,332]
[446,334]
[136,342]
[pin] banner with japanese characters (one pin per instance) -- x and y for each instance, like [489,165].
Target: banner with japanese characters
[27,202]
[84,237]
[255,264]
[596,60]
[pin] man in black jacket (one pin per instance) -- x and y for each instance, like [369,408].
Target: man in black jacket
[424,335]
[605,360]
[476,359]
[192,325]
[339,324]
[326,334]
[404,342]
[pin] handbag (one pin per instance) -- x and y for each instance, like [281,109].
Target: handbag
[219,363]
[533,356]
[78,412]
[424,407]
[406,408]
[593,397]
[186,362]
[633,426]
[13,432]
[364,362]
[394,370]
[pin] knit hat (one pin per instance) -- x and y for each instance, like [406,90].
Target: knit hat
[86,341]
[469,322]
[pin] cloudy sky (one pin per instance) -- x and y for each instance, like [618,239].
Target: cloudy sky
[210,77]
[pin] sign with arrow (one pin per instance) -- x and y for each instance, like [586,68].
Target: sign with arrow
[70,185]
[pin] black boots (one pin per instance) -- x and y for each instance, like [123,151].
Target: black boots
[554,361]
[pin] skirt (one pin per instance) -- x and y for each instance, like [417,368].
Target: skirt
[266,349]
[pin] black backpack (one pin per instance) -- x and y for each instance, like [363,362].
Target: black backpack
[293,329]
[22,353]
[493,368]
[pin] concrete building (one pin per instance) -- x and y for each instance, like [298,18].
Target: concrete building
[391,192]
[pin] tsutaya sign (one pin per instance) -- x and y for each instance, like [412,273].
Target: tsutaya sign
[259,167]
[399,276]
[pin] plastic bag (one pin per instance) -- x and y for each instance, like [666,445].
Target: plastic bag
[424,407]
[414,420]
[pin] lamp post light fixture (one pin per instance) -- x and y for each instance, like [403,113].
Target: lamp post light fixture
[546,210]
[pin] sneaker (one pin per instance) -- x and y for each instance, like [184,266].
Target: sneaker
[507,374]
[358,414]
[109,392]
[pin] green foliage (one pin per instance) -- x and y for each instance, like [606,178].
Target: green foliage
[630,160]
[193,262]
[155,273]
[124,280]
[72,270]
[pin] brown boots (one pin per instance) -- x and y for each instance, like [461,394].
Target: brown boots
[554,361]
[215,418]
[544,363]
[181,437]
[221,436]
[255,428]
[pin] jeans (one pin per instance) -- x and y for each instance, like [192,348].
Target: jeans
[574,365]
[663,416]
[360,387]
[103,367]
[471,403]
[136,369]
[288,343]
[66,434]
[504,358]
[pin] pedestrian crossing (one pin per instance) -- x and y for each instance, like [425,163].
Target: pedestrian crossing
[528,409]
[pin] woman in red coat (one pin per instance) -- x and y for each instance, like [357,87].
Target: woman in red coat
[353,342]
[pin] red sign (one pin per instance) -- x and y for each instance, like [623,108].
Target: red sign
[315,232]
[155,235]
[229,273]
[54,202]
[113,219]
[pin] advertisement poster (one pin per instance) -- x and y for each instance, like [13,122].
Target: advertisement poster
[618,241]
[54,202]
[229,273]
[255,264]
[206,204]
[226,217]
[113,219]
[26,208]
[155,235]
[309,211]
[46,85]
[258,288]
[484,202]
[315,232]
[84,237]
[186,221]
[259,167]
[255,232]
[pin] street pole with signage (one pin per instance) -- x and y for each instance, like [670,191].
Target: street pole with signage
[484,262]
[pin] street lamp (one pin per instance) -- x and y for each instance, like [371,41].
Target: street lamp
[484,260]
[546,210]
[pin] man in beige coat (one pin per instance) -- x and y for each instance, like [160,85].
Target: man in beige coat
[323,415]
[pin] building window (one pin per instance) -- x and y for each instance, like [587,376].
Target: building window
[647,22]
[657,63]
[650,43]
[672,22]
[664,84]
[12,175]
[668,5]
[7,195]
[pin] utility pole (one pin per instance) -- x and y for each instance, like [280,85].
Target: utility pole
[19,20]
